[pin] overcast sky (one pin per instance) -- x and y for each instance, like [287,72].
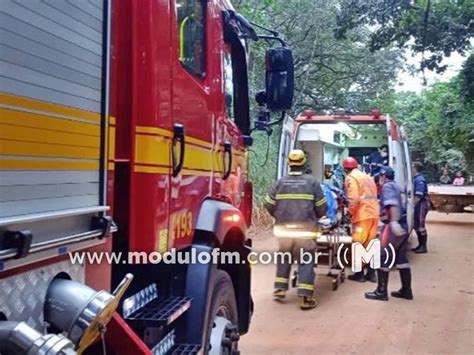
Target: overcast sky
[406,82]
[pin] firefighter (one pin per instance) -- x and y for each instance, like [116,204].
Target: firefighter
[422,205]
[395,232]
[297,202]
[376,160]
[363,207]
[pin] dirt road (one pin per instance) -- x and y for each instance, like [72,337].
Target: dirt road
[440,320]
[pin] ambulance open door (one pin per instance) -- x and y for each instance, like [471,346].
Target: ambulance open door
[401,163]
[286,144]
[409,181]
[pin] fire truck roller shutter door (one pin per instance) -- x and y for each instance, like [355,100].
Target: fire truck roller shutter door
[51,103]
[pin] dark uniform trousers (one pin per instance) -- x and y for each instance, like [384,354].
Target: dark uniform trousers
[400,247]
[421,210]
[302,250]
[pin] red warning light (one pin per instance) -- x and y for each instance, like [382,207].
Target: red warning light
[376,113]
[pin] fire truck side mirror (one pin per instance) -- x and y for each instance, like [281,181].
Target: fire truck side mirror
[279,78]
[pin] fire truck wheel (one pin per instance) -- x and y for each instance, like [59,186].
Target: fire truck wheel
[223,332]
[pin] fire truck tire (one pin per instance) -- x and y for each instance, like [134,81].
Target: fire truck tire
[223,333]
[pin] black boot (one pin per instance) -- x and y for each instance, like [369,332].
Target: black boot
[421,249]
[380,293]
[405,292]
[358,276]
[370,275]
[422,239]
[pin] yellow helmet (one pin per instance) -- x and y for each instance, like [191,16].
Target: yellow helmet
[296,158]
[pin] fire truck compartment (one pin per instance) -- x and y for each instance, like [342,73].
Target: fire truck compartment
[53,118]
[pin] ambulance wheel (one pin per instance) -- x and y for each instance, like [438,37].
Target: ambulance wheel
[224,335]
[335,284]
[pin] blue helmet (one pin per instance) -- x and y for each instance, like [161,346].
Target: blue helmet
[387,172]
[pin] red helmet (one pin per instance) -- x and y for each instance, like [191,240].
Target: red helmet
[349,163]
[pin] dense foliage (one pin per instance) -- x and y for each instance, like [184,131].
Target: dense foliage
[434,28]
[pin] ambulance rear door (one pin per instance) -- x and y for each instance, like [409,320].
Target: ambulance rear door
[409,181]
[286,144]
[400,163]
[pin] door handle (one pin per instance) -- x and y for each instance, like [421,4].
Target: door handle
[227,151]
[178,137]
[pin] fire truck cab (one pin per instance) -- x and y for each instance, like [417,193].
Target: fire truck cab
[328,139]
[124,130]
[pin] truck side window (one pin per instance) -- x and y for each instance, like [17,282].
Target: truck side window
[228,86]
[191,35]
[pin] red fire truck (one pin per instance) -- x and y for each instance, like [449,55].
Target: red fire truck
[124,130]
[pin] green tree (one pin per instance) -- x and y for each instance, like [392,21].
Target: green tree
[434,28]
[467,80]
[439,125]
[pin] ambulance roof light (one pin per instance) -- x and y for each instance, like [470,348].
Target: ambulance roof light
[376,113]
[308,113]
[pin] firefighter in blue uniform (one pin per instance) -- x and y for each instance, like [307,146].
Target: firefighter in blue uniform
[394,233]
[297,202]
[376,160]
[422,206]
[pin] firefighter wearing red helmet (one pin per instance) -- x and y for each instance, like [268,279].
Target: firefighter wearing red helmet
[364,210]
[296,201]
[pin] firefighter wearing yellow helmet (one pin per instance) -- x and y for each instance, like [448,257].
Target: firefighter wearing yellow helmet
[296,201]
[296,158]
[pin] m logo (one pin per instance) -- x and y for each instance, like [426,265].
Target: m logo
[362,256]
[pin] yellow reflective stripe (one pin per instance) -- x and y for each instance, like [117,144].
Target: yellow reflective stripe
[23,103]
[269,200]
[47,123]
[294,197]
[154,130]
[285,233]
[281,280]
[309,287]
[181,38]
[151,169]
[111,143]
[10,132]
[295,173]
[321,202]
[152,150]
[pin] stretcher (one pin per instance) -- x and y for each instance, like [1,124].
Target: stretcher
[332,239]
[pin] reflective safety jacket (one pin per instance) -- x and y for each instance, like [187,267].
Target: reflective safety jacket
[362,195]
[296,201]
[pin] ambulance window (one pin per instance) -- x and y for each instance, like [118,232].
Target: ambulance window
[191,35]
[228,86]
